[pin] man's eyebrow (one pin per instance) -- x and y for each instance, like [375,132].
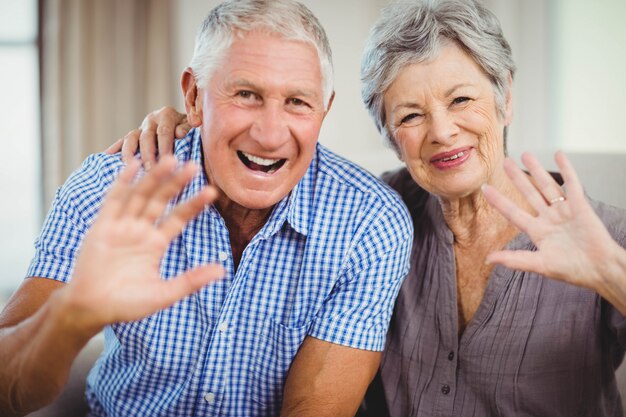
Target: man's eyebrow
[303,93]
[242,82]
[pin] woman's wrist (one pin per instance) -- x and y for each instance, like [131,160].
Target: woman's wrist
[612,277]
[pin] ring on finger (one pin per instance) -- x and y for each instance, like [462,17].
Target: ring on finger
[556,200]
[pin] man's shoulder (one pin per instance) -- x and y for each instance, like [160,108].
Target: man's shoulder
[343,173]
[189,147]
[87,183]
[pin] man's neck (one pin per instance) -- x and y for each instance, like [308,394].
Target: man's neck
[242,224]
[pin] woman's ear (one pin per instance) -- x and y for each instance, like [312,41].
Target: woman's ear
[193,100]
[508,102]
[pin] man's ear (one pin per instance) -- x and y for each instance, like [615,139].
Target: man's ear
[330,103]
[193,100]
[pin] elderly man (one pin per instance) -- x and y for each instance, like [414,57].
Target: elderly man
[312,249]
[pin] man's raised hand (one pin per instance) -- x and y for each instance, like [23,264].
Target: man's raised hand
[117,273]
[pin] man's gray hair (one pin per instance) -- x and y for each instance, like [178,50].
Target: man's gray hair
[286,18]
[414,31]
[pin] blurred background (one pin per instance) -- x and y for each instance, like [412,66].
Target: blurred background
[77,74]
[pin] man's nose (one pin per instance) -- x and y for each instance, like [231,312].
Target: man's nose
[270,128]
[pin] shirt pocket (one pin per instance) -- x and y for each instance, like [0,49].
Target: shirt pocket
[277,347]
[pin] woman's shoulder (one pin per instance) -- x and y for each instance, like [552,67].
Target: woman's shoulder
[401,181]
[614,219]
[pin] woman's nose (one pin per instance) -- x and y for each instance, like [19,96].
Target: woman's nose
[442,128]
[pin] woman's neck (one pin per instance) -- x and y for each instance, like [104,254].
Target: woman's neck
[472,220]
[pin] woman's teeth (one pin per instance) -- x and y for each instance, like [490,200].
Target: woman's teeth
[453,157]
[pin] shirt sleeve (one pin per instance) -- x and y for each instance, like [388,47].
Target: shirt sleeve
[358,309]
[73,210]
[614,219]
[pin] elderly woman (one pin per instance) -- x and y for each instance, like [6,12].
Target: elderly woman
[469,337]
[473,335]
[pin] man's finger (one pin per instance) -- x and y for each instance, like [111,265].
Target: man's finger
[146,188]
[117,195]
[189,282]
[176,221]
[167,190]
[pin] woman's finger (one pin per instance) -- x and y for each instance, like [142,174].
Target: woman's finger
[523,183]
[550,190]
[575,190]
[130,143]
[520,260]
[520,218]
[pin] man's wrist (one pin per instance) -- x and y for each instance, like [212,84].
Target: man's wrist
[72,317]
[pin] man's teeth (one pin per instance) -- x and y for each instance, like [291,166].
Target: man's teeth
[453,157]
[260,161]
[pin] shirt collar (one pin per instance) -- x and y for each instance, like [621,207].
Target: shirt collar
[295,209]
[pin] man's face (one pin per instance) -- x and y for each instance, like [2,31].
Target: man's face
[261,114]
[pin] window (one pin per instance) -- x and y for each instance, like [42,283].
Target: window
[19,135]
[590,64]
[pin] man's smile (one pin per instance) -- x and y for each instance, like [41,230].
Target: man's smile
[257,163]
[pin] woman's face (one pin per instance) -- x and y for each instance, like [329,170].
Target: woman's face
[443,117]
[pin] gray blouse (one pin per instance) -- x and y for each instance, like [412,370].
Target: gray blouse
[535,346]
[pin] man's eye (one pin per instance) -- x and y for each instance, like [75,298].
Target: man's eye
[246,94]
[296,102]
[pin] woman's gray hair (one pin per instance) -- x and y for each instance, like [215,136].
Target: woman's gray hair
[414,31]
[286,18]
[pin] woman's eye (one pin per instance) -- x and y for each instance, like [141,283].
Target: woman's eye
[410,117]
[460,100]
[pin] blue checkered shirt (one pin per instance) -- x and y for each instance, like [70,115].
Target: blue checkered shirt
[328,264]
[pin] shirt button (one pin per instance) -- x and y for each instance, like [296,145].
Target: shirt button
[445,390]
[209,397]
[222,256]
[222,327]
[451,356]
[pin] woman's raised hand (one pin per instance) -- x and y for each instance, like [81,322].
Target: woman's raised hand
[572,243]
